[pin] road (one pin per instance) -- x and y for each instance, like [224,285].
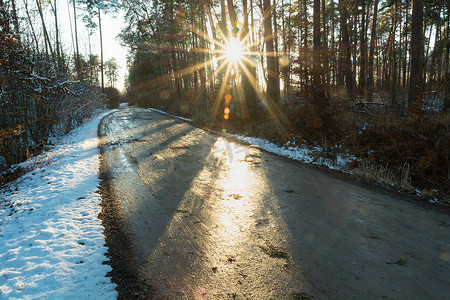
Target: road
[192,215]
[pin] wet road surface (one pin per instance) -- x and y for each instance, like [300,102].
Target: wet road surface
[207,218]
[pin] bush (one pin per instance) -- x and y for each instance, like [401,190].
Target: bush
[113,97]
[422,144]
[318,117]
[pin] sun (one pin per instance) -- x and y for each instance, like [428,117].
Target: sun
[233,50]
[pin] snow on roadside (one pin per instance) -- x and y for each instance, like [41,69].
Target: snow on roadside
[51,240]
[292,151]
[312,156]
[164,113]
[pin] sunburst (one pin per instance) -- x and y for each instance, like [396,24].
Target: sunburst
[231,55]
[234,50]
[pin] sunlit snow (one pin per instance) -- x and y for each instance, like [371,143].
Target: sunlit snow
[51,240]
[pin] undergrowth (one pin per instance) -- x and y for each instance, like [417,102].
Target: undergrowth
[408,151]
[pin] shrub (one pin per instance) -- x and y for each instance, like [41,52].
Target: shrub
[113,97]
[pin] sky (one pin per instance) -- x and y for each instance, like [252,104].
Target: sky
[111,25]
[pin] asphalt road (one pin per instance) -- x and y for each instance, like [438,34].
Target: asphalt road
[193,215]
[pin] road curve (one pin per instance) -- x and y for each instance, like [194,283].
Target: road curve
[203,217]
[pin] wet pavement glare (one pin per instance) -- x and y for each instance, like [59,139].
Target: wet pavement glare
[209,218]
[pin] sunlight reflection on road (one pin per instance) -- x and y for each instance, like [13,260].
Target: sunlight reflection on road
[233,246]
[214,241]
[211,219]
[238,201]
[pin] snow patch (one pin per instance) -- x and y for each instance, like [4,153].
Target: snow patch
[164,113]
[51,240]
[297,152]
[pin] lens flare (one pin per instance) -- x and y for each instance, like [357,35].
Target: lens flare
[226,117]
[284,61]
[164,95]
[254,60]
[180,12]
[226,110]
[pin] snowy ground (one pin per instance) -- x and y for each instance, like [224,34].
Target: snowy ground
[51,240]
[164,113]
[293,151]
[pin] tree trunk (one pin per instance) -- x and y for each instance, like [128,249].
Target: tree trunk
[101,48]
[373,38]
[316,42]
[393,59]
[415,86]
[333,48]
[248,80]
[232,16]
[272,92]
[363,49]
[436,52]
[57,44]
[48,44]
[76,40]
[275,51]
[346,64]
[214,34]
[203,58]
[324,47]
[354,46]
[173,54]
[223,22]
[31,25]
[306,58]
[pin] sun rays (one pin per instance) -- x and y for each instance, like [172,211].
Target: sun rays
[233,57]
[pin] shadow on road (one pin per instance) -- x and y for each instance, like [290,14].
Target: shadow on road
[191,215]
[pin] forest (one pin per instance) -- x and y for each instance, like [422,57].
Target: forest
[366,78]
[369,78]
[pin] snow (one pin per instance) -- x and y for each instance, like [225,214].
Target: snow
[164,113]
[51,240]
[303,153]
[290,150]
[297,152]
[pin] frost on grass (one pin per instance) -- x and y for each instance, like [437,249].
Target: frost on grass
[51,241]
